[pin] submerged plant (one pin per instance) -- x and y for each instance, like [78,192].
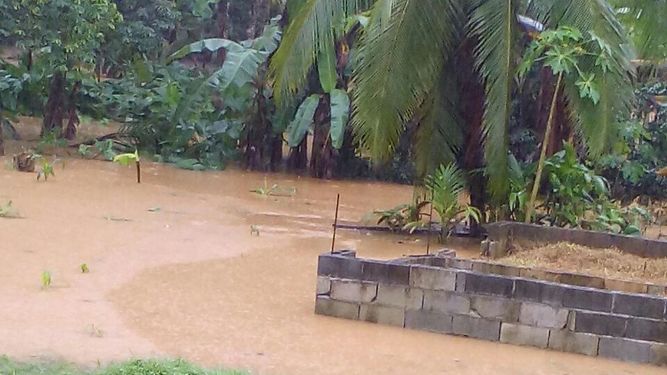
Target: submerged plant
[273,191]
[6,210]
[84,268]
[46,280]
[404,217]
[46,169]
[128,159]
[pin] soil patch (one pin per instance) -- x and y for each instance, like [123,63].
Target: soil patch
[611,263]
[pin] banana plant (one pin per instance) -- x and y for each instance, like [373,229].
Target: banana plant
[128,159]
[304,120]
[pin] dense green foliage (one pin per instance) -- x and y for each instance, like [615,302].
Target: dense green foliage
[374,88]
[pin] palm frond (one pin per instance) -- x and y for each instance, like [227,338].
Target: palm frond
[400,61]
[494,25]
[312,30]
[646,21]
[439,134]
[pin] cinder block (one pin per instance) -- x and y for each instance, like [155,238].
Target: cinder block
[498,249]
[625,286]
[572,342]
[382,315]
[476,327]
[353,290]
[587,299]
[524,335]
[446,253]
[489,285]
[647,330]
[461,264]
[581,280]
[495,308]
[341,266]
[461,282]
[384,272]
[495,269]
[639,305]
[538,274]
[599,323]
[545,316]
[428,321]
[625,349]
[399,296]
[659,354]
[432,278]
[323,285]
[446,302]
[539,291]
[327,306]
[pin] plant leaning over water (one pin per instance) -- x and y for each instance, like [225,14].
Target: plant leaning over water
[406,216]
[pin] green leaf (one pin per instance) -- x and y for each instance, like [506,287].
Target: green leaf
[211,45]
[240,68]
[326,67]
[126,159]
[303,119]
[587,88]
[340,114]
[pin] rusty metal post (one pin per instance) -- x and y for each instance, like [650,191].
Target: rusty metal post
[335,226]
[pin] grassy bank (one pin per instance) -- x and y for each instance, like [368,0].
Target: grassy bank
[134,367]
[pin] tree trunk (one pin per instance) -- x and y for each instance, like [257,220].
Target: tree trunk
[543,155]
[298,156]
[276,152]
[322,159]
[55,105]
[471,91]
[222,18]
[257,144]
[73,122]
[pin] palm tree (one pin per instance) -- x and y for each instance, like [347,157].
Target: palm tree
[449,66]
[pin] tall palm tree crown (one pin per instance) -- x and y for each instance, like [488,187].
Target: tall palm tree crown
[409,70]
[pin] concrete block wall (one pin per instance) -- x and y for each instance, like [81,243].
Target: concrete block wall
[489,267]
[507,309]
[527,235]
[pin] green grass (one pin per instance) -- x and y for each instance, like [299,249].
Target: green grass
[134,367]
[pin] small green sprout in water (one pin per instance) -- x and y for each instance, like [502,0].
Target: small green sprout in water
[254,230]
[46,280]
[273,190]
[46,168]
[84,268]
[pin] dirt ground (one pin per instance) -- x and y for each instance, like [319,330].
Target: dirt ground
[176,272]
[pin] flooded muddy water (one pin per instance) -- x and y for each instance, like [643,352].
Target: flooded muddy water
[175,270]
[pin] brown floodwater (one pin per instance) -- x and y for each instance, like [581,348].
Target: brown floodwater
[176,272]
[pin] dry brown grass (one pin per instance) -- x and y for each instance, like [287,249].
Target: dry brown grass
[612,263]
